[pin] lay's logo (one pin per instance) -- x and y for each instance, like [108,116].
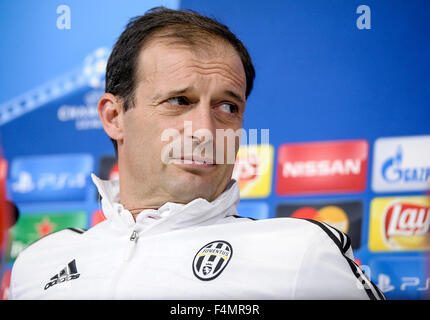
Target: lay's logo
[400,224]
[253,170]
[248,170]
[406,220]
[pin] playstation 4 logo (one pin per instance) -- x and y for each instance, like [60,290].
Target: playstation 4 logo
[24,183]
[50,178]
[406,283]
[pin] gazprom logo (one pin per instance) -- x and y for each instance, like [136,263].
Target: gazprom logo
[401,164]
[393,172]
[212,259]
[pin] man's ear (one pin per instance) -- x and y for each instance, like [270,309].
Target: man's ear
[111,111]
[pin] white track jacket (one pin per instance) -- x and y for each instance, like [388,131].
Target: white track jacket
[201,250]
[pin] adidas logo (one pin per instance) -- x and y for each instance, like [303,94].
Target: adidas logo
[70,272]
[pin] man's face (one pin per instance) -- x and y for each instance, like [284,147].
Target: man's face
[177,88]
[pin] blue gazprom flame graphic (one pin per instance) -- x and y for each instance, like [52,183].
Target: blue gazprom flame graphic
[393,172]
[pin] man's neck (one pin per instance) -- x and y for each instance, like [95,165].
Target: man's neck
[135,211]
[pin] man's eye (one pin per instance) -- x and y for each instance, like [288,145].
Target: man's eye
[229,108]
[181,101]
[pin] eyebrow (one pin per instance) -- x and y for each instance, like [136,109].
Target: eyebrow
[230,93]
[177,92]
[160,95]
[234,95]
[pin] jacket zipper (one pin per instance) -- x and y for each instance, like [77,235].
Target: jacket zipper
[134,237]
[132,245]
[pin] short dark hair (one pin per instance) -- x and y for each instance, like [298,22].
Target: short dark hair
[122,64]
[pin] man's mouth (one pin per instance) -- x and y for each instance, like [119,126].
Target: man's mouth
[193,161]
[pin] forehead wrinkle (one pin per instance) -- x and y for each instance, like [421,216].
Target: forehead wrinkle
[158,68]
[215,66]
[215,69]
[205,66]
[234,81]
[196,64]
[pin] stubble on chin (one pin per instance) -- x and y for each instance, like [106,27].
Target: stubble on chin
[184,187]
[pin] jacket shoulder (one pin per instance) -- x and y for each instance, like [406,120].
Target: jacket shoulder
[305,227]
[339,238]
[40,255]
[54,238]
[46,245]
[304,230]
[334,248]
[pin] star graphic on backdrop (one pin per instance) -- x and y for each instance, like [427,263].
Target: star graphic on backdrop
[45,227]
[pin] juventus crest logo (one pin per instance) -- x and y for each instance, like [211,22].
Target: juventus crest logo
[212,259]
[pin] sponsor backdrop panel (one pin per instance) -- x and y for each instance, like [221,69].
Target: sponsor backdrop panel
[399,224]
[253,170]
[401,164]
[50,178]
[342,89]
[401,277]
[322,167]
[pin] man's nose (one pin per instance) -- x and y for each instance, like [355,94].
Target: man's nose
[202,120]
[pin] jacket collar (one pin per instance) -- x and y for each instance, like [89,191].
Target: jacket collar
[170,216]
